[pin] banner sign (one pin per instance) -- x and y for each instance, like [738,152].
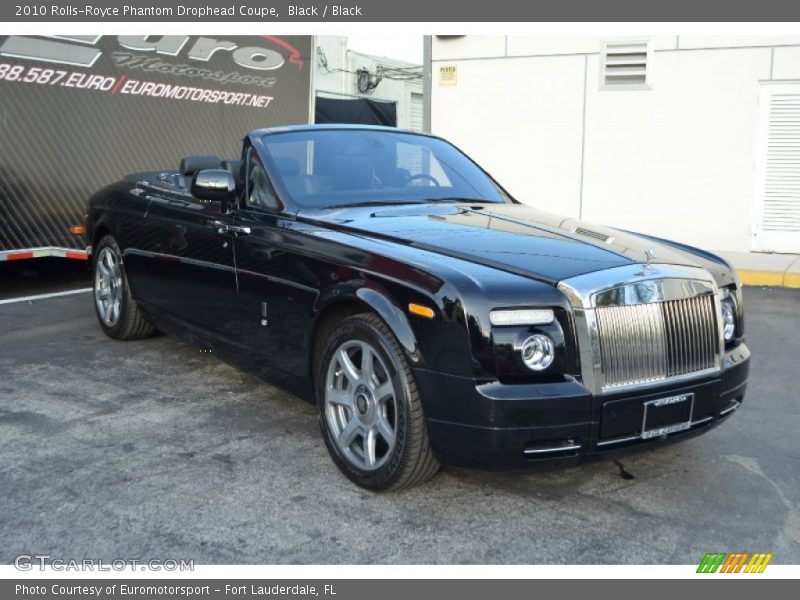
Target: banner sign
[80,111]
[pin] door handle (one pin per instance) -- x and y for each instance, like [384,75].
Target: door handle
[223,227]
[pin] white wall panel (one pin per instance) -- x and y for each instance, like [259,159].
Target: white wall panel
[677,161]
[521,119]
[735,41]
[786,63]
[524,45]
[472,46]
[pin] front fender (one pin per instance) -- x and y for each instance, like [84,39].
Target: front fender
[395,318]
[371,296]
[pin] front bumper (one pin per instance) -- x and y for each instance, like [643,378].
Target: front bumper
[495,426]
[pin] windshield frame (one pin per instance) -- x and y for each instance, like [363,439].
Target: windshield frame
[260,139]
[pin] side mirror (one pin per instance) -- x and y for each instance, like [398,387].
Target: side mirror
[214,185]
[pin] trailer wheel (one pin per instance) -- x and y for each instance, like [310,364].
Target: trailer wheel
[117,311]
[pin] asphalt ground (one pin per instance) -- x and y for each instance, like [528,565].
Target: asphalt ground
[155,450]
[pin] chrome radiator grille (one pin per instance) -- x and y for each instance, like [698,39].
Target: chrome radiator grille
[649,342]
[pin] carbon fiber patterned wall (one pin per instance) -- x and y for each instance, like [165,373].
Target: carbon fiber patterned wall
[78,112]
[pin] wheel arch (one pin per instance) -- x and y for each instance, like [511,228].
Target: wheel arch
[342,303]
[99,231]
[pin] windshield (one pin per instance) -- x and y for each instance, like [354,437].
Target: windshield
[333,168]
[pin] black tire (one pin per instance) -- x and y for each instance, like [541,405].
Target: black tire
[130,323]
[410,462]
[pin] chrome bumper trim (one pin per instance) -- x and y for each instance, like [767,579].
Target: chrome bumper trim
[541,451]
[633,438]
[736,404]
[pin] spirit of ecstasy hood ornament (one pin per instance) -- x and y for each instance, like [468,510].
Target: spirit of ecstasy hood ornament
[649,254]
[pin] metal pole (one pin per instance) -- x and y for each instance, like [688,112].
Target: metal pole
[427,75]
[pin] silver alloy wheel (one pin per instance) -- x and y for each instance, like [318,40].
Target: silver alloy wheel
[361,405]
[108,287]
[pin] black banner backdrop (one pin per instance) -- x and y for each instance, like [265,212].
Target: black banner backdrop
[79,112]
[363,111]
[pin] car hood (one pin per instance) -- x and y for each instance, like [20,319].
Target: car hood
[512,237]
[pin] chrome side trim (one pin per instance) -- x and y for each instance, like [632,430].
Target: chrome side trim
[274,279]
[209,265]
[183,259]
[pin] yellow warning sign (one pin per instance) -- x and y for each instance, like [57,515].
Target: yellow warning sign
[448,75]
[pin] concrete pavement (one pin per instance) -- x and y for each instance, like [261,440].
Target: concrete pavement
[760,268]
[153,449]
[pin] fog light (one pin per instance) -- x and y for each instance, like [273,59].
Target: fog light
[538,352]
[728,309]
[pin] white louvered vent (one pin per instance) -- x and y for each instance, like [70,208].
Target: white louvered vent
[781,210]
[625,64]
[417,112]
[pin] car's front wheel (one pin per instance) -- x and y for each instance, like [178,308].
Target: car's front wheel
[117,311]
[370,411]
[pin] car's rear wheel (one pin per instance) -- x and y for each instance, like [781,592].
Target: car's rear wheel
[117,311]
[370,411]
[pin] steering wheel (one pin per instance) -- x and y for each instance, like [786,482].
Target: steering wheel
[420,177]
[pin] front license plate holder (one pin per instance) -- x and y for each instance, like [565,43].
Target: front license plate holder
[663,416]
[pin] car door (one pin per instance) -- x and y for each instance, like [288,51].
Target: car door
[188,251]
[277,284]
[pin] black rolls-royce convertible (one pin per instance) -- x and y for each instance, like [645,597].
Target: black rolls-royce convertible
[433,318]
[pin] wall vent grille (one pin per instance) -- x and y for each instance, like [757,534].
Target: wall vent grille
[626,64]
[782,189]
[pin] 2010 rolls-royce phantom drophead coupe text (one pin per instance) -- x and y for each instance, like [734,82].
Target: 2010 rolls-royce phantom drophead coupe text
[433,318]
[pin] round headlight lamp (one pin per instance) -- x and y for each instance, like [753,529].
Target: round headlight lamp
[728,309]
[538,352]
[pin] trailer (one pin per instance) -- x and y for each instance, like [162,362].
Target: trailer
[79,112]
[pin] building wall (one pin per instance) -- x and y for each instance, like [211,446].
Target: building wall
[342,83]
[676,160]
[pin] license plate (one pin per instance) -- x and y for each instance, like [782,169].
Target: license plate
[663,416]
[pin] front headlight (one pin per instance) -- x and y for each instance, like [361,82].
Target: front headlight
[531,345]
[521,316]
[728,309]
[538,352]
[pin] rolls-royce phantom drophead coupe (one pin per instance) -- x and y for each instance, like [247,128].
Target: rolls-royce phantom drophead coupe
[433,318]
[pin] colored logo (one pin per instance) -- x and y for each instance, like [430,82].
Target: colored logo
[738,562]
